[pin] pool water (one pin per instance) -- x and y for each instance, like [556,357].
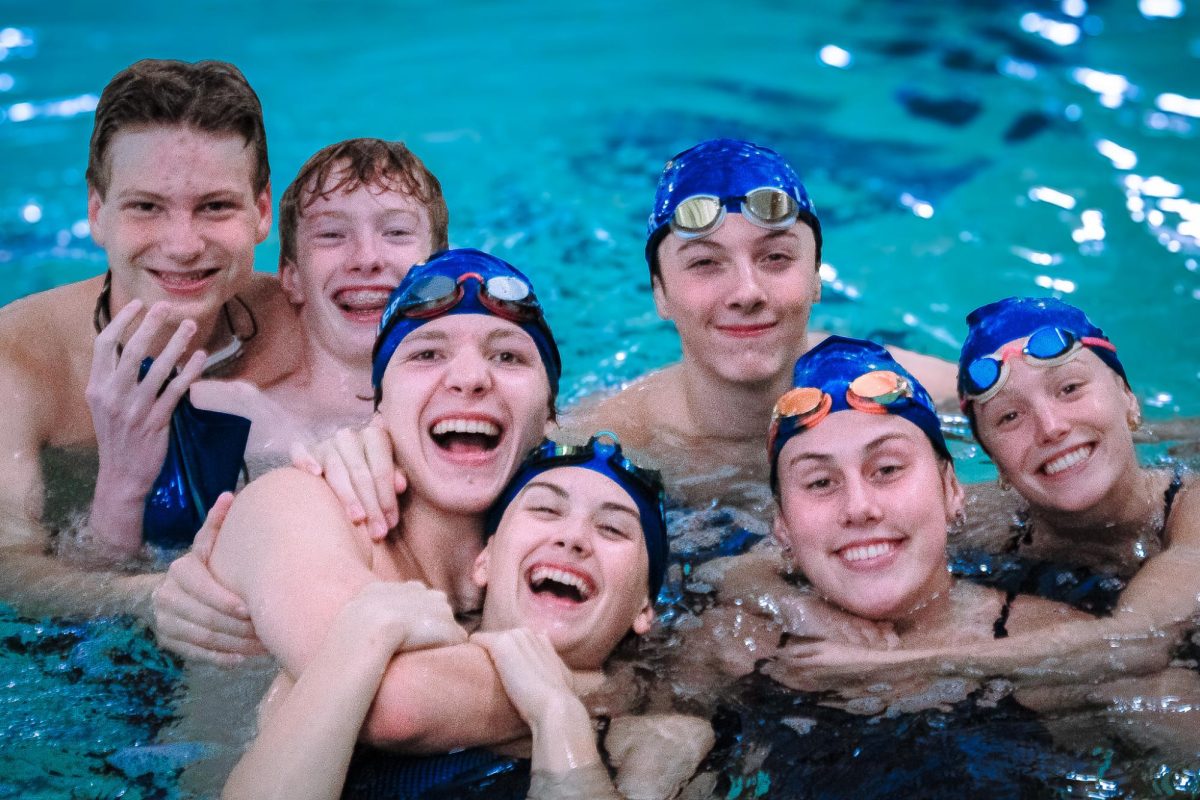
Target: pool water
[957,153]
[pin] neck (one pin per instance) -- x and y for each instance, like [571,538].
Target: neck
[444,545]
[718,408]
[1129,507]
[212,332]
[935,612]
[348,380]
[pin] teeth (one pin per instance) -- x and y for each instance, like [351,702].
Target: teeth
[362,298]
[184,277]
[466,426]
[542,574]
[866,551]
[1069,460]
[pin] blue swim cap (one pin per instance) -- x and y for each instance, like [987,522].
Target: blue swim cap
[724,168]
[601,454]
[832,366]
[526,313]
[992,326]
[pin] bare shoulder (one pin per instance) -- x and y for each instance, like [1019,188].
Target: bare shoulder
[632,413]
[1183,526]
[273,353]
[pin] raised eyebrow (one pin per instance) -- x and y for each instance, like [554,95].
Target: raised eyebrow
[558,490]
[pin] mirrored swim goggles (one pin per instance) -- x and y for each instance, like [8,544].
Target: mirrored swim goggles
[1046,347]
[768,207]
[876,392]
[506,296]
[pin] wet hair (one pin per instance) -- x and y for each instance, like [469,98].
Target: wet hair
[208,96]
[347,165]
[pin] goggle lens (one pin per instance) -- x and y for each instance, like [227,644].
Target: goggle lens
[806,405]
[1049,347]
[697,216]
[882,387]
[505,295]
[771,208]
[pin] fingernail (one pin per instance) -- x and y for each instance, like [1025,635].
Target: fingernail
[378,530]
[357,514]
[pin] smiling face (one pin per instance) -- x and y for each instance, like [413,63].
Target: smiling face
[1060,434]
[740,297]
[180,218]
[352,249]
[568,559]
[864,504]
[465,397]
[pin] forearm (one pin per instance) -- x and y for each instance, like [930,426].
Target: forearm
[115,519]
[38,584]
[563,738]
[590,782]
[303,749]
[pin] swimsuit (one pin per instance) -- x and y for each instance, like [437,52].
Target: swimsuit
[1093,591]
[383,775]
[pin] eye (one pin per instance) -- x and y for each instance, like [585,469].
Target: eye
[819,484]
[702,263]
[889,471]
[779,258]
[141,206]
[510,357]
[397,233]
[424,355]
[1071,387]
[218,206]
[329,235]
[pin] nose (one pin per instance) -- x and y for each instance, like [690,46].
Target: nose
[367,256]
[1051,425]
[748,294]
[574,536]
[860,504]
[468,373]
[181,240]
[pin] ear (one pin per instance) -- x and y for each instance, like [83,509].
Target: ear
[1133,408]
[953,493]
[263,205]
[660,298]
[644,619]
[780,531]
[483,562]
[551,428]
[290,281]
[816,295]
[94,204]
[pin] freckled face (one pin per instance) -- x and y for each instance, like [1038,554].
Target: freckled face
[180,219]
[569,559]
[864,504]
[1060,434]
[352,249]
[740,297]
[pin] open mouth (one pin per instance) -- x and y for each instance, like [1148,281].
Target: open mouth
[560,583]
[868,551]
[364,304]
[466,435]
[1067,460]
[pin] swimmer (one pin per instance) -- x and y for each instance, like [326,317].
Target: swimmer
[866,493]
[734,249]
[1049,401]
[178,197]
[576,549]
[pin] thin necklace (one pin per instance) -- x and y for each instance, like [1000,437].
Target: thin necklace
[215,362]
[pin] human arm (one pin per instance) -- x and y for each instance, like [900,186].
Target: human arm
[359,466]
[305,742]
[289,552]
[132,416]
[194,615]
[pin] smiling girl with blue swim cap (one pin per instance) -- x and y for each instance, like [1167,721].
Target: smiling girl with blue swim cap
[734,246]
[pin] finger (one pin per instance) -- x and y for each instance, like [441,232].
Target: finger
[104,350]
[188,579]
[164,405]
[206,537]
[198,636]
[339,481]
[138,346]
[382,464]
[303,459]
[350,450]
[160,371]
[191,652]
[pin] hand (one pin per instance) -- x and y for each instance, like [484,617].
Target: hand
[820,665]
[131,418]
[655,754]
[193,614]
[805,614]
[359,466]
[398,617]
[533,674]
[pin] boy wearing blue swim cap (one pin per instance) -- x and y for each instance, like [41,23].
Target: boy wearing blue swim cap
[178,198]
[734,246]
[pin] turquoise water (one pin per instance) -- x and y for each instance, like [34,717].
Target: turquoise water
[964,152]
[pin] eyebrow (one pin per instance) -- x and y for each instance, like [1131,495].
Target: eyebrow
[565,495]
[871,446]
